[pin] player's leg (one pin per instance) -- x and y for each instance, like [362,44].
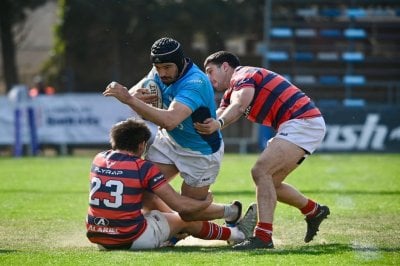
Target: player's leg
[278,156]
[156,233]
[230,212]
[290,195]
[162,226]
[285,192]
[308,134]
[204,229]
[199,172]
[168,170]
[314,212]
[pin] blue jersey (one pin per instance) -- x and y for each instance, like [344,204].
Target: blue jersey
[194,90]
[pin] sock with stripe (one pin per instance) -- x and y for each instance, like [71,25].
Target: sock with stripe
[211,230]
[311,208]
[263,231]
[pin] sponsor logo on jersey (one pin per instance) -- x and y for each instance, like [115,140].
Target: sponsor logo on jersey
[195,81]
[157,178]
[108,171]
[103,229]
[101,221]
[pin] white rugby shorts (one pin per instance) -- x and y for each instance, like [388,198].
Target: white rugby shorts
[156,233]
[305,133]
[197,170]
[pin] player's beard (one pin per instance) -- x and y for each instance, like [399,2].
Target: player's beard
[167,80]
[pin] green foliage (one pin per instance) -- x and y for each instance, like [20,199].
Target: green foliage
[101,40]
[44,201]
[17,9]
[12,12]
[55,65]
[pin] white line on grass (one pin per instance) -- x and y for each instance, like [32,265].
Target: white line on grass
[366,252]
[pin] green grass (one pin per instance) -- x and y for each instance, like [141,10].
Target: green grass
[43,206]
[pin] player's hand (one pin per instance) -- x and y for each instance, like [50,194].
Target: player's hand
[209,198]
[118,91]
[209,126]
[143,94]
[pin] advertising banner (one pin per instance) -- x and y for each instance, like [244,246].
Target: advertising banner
[64,119]
[87,118]
[362,129]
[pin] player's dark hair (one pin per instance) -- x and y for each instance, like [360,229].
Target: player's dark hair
[220,57]
[127,135]
[168,50]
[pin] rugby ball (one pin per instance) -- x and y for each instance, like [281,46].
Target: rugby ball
[152,88]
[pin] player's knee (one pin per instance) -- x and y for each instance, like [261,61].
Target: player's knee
[259,173]
[256,173]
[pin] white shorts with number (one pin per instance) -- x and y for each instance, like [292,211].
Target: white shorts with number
[305,133]
[198,170]
[156,233]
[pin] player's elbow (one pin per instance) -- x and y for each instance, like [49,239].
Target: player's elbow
[169,123]
[169,127]
[241,108]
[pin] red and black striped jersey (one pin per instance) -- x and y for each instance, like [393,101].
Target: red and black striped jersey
[117,183]
[275,100]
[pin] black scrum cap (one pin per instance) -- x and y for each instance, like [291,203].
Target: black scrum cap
[168,50]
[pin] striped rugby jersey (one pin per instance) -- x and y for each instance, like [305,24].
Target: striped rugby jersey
[117,183]
[275,99]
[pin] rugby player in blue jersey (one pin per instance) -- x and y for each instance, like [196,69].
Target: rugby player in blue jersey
[187,97]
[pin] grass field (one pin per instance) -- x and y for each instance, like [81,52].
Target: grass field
[44,200]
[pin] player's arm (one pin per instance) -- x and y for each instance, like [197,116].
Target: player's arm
[220,110]
[168,119]
[181,203]
[240,100]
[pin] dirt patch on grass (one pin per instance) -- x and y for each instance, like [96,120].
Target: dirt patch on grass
[192,241]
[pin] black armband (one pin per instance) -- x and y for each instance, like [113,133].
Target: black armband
[221,122]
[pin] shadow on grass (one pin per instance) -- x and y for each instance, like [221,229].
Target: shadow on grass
[313,250]
[352,192]
[42,191]
[7,251]
[317,191]
[221,193]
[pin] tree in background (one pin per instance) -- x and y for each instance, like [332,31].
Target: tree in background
[11,13]
[101,40]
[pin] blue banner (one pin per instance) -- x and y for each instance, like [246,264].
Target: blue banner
[362,129]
